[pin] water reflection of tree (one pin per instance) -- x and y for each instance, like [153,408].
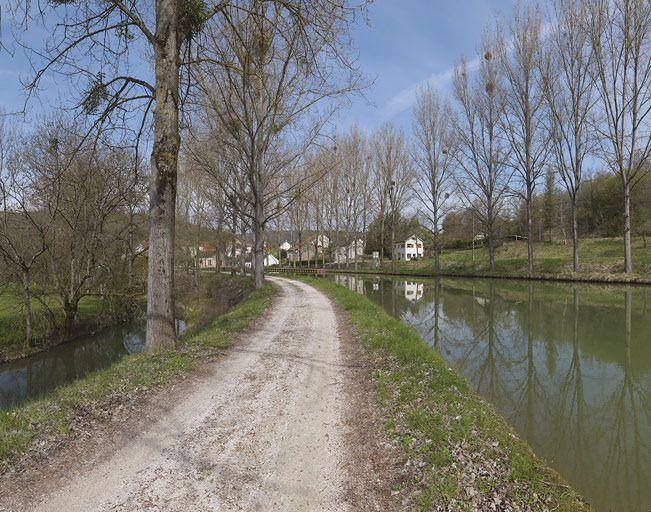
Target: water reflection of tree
[533,394]
[570,412]
[425,317]
[537,359]
[487,352]
[625,442]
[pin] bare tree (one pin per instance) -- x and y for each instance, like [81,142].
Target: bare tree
[434,148]
[93,42]
[620,34]
[569,97]
[24,233]
[524,119]
[264,79]
[354,178]
[483,153]
[394,178]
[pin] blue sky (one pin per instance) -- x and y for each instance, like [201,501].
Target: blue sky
[404,44]
[409,42]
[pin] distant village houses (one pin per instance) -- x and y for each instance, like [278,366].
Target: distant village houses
[410,249]
[312,247]
[355,249]
[269,260]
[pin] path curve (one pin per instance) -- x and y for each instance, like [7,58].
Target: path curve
[263,432]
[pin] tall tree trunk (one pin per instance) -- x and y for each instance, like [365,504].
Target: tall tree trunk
[69,315]
[575,237]
[491,249]
[161,334]
[393,241]
[529,236]
[382,225]
[27,309]
[258,245]
[628,259]
[437,243]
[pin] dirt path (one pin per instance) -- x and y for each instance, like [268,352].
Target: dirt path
[265,431]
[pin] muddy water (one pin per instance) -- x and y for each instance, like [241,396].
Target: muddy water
[36,375]
[569,366]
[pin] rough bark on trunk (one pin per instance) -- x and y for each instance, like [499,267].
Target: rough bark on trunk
[529,237]
[393,242]
[575,237]
[437,241]
[491,250]
[161,334]
[69,315]
[628,259]
[382,239]
[27,309]
[258,246]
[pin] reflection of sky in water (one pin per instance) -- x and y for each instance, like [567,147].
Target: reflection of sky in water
[578,392]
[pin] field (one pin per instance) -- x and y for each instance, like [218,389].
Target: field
[597,256]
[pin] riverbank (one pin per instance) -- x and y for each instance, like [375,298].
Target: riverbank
[461,453]
[29,432]
[92,315]
[285,420]
[95,314]
[601,260]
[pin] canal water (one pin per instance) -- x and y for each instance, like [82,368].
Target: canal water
[36,375]
[568,365]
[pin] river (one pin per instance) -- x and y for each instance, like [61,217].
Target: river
[568,365]
[36,375]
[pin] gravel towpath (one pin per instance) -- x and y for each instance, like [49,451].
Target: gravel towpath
[264,431]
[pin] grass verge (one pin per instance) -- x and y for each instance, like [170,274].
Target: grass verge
[461,454]
[601,259]
[51,416]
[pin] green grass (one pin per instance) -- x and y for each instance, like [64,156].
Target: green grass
[24,425]
[446,431]
[600,258]
[90,315]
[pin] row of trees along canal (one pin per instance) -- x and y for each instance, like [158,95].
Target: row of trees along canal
[558,100]
[246,91]
[239,88]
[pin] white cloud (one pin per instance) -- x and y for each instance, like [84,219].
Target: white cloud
[406,98]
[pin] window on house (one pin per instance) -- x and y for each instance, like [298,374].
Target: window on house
[410,246]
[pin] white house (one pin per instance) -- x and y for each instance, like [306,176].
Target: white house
[412,291]
[350,252]
[269,260]
[410,249]
[198,249]
[313,247]
[208,261]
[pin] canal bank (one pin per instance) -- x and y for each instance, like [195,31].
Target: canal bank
[31,430]
[405,271]
[567,365]
[460,452]
[285,420]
